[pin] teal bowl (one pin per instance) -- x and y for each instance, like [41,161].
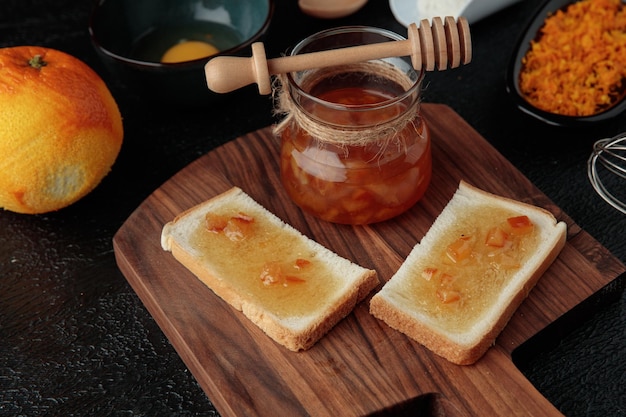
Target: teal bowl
[131,37]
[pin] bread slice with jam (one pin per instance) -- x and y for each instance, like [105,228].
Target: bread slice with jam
[290,286]
[461,284]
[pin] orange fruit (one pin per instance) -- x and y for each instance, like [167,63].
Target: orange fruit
[60,129]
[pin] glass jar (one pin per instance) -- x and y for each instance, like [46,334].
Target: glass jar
[354,149]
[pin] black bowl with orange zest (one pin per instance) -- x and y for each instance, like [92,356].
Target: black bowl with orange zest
[536,74]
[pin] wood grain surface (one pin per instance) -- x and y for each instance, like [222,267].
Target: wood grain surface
[362,367]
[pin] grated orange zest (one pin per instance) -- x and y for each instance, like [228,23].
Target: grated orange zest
[577,64]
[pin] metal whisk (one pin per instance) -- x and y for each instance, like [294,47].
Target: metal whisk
[611,154]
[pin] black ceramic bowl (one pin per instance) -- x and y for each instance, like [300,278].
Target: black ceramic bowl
[513,71]
[130,36]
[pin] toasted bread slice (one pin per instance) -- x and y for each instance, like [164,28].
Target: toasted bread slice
[290,286]
[461,284]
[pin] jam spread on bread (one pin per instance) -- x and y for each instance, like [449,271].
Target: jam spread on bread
[276,273]
[473,262]
[280,272]
[239,227]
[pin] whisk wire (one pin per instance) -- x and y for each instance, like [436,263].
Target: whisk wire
[607,152]
[610,164]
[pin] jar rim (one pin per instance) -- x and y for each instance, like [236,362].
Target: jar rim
[392,36]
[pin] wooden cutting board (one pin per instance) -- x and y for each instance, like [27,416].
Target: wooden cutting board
[362,367]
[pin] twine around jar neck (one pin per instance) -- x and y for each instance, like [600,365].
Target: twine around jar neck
[385,132]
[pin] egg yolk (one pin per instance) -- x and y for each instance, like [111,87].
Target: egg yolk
[188,51]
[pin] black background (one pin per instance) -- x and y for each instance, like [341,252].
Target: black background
[76,340]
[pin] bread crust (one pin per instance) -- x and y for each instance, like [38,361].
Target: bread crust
[362,281]
[384,307]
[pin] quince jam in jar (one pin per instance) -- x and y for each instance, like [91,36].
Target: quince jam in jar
[354,149]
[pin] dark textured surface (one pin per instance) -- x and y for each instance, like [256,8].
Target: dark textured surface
[76,341]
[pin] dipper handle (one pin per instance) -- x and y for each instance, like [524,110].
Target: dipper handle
[437,46]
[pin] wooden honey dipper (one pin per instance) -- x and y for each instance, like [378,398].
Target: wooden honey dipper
[442,44]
